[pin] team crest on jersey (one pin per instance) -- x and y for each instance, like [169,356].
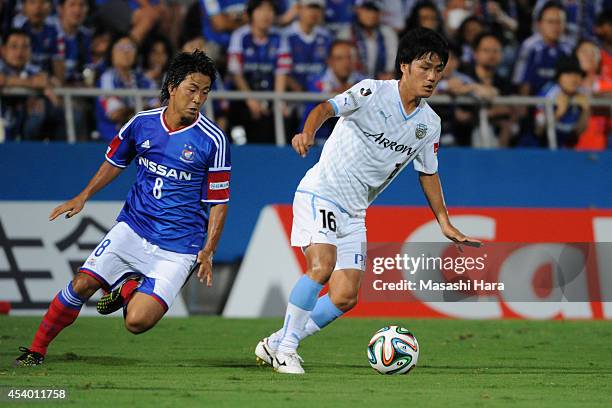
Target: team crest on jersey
[365,91]
[420,131]
[188,154]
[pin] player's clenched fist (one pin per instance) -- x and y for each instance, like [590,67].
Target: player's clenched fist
[302,142]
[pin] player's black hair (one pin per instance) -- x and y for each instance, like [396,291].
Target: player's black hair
[14,31]
[417,43]
[548,5]
[184,64]
[253,4]
[483,35]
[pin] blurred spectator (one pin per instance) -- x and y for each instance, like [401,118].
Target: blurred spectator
[77,38]
[600,122]
[539,53]
[48,48]
[113,111]
[572,107]
[488,84]
[339,15]
[424,14]
[603,30]
[258,61]
[394,14]
[220,106]
[501,16]
[581,16]
[455,12]
[339,76]
[287,11]
[8,9]
[376,44]
[308,44]
[220,18]
[156,54]
[469,29]
[100,44]
[457,126]
[134,17]
[24,117]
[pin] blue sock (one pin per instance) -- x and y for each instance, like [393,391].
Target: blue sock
[305,293]
[325,312]
[302,300]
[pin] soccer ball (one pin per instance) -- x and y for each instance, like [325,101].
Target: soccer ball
[393,350]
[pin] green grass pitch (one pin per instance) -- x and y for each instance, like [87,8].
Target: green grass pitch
[209,361]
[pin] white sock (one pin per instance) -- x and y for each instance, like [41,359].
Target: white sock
[275,338]
[293,329]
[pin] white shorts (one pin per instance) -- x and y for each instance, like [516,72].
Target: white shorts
[123,253]
[317,220]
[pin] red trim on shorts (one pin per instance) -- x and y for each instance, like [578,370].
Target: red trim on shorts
[161,301]
[97,277]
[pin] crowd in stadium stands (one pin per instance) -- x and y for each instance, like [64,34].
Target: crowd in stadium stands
[557,49]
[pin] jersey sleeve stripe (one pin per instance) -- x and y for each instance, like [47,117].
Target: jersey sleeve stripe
[220,154]
[222,138]
[334,105]
[214,141]
[219,137]
[113,163]
[216,201]
[203,127]
[216,169]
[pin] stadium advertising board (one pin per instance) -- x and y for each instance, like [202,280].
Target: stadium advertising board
[545,259]
[38,257]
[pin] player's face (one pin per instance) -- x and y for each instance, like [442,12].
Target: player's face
[187,98]
[423,75]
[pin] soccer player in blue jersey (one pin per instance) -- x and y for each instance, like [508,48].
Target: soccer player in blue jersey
[172,218]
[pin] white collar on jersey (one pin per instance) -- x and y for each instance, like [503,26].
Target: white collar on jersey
[179,130]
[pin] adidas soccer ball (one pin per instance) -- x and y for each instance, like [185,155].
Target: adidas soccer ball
[393,350]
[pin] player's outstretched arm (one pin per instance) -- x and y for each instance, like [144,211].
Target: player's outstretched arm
[430,183]
[302,142]
[216,221]
[105,174]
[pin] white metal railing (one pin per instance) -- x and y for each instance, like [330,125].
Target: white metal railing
[68,94]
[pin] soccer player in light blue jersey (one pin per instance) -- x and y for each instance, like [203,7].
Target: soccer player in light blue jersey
[173,216]
[383,127]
